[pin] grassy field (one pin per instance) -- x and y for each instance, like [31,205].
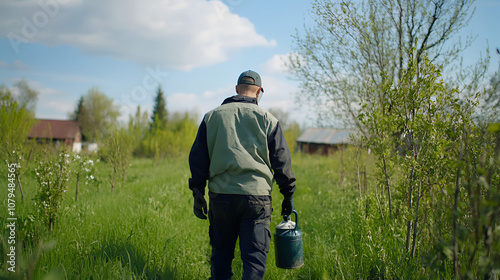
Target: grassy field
[145,228]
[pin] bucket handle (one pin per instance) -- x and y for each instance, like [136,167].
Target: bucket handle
[287,217]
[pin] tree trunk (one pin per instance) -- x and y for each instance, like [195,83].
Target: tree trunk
[77,183]
[114,179]
[415,224]
[455,207]
[379,206]
[20,187]
[388,185]
[410,203]
[365,178]
[358,172]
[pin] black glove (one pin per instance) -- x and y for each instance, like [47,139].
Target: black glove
[200,204]
[287,205]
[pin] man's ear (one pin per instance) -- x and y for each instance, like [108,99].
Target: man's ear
[236,87]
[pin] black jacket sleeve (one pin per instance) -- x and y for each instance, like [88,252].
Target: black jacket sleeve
[281,161]
[199,161]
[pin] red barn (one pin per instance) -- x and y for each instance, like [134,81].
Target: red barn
[59,132]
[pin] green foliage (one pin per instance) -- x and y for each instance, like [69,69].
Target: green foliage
[15,123]
[429,152]
[138,126]
[84,169]
[53,174]
[352,42]
[291,134]
[118,151]
[177,138]
[98,116]
[161,139]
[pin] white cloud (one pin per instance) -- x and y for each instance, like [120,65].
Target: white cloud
[280,91]
[198,103]
[181,34]
[276,64]
[277,93]
[52,103]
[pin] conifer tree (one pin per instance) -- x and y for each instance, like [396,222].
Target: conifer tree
[78,110]
[160,115]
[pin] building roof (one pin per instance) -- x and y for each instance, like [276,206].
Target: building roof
[330,136]
[55,129]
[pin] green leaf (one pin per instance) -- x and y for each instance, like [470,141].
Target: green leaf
[494,128]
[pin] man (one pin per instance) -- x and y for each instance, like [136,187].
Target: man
[237,148]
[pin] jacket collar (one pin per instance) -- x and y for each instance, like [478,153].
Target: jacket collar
[240,99]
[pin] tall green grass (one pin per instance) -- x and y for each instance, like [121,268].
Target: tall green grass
[145,228]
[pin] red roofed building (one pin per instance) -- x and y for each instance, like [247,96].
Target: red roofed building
[59,132]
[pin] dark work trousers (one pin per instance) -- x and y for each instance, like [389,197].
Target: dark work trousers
[247,217]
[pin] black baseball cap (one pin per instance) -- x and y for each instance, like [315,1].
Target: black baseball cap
[250,74]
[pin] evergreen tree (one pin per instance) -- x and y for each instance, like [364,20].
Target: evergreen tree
[78,110]
[160,114]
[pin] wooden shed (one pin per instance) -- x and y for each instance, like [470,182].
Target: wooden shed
[58,132]
[324,141]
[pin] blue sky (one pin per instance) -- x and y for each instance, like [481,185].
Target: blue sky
[194,48]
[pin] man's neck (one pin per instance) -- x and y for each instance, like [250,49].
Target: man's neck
[247,94]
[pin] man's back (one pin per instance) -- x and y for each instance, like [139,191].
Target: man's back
[237,140]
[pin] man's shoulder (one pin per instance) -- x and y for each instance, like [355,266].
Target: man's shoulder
[232,107]
[270,116]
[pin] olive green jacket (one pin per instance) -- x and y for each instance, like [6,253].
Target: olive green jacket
[240,148]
